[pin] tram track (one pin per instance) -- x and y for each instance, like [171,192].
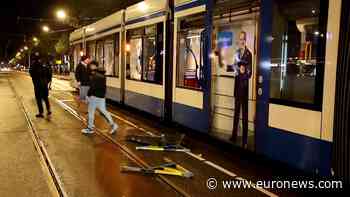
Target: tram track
[48,164]
[55,183]
[144,164]
[125,149]
[141,162]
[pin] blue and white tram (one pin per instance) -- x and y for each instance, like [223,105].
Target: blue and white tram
[102,42]
[294,47]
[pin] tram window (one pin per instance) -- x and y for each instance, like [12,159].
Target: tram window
[99,53]
[76,54]
[298,52]
[108,56]
[91,47]
[116,56]
[189,51]
[135,57]
[144,53]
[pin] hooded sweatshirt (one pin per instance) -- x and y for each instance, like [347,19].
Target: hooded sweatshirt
[97,84]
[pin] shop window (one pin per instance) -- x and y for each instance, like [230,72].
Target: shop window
[190,51]
[298,52]
[145,53]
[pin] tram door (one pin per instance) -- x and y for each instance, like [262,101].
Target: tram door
[234,32]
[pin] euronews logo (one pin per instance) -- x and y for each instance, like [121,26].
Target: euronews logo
[240,183]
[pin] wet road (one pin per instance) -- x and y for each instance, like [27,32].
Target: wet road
[90,165]
[21,172]
[84,165]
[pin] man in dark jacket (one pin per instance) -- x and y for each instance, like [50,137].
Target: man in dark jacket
[242,73]
[96,99]
[82,77]
[41,77]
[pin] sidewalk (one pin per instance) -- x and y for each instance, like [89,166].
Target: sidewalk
[21,172]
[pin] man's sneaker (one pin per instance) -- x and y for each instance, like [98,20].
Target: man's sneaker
[39,116]
[87,131]
[114,128]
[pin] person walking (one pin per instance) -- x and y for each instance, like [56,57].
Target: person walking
[82,77]
[96,99]
[41,76]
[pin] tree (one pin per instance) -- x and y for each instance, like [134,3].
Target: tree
[46,45]
[62,45]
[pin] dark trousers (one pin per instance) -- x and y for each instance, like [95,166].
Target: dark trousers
[42,94]
[241,103]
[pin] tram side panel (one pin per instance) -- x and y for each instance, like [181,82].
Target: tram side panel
[144,56]
[188,89]
[297,133]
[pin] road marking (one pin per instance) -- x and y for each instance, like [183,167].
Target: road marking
[220,168]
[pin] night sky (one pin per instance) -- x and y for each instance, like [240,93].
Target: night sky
[13,32]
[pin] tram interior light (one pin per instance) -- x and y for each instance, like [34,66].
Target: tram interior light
[127,47]
[81,53]
[212,55]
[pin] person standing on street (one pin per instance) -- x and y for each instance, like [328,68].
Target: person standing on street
[41,77]
[82,77]
[96,99]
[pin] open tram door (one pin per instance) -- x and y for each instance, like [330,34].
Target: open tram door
[234,43]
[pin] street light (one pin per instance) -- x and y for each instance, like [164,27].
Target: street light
[65,18]
[61,14]
[35,39]
[46,28]
[25,48]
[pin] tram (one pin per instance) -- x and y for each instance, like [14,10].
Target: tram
[293,46]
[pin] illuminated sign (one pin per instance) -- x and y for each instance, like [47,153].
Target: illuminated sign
[225,39]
